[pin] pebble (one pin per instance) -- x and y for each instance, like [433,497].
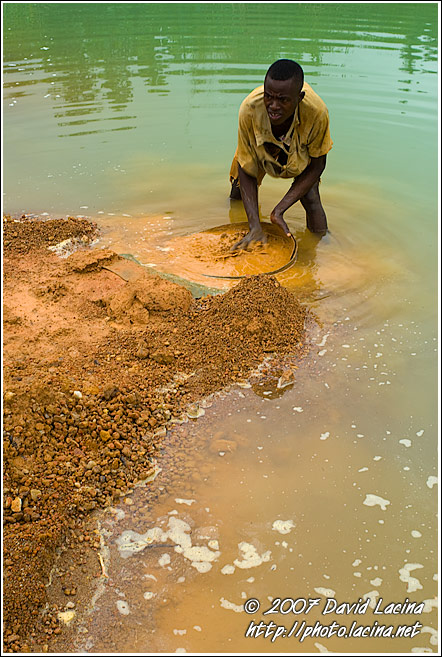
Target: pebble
[16,505]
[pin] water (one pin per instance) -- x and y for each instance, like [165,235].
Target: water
[127,114]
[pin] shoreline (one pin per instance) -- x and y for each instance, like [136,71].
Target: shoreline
[95,368]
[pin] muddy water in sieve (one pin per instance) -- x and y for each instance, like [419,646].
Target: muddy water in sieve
[127,113]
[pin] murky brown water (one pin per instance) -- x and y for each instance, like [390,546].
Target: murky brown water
[343,457]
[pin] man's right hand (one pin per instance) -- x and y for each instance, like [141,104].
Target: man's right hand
[256,234]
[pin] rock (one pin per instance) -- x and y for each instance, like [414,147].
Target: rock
[105,436]
[287,378]
[142,353]
[12,637]
[163,357]
[16,505]
[194,411]
[35,494]
[110,392]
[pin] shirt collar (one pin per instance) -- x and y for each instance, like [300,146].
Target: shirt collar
[263,130]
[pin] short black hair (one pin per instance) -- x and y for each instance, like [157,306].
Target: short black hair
[284,69]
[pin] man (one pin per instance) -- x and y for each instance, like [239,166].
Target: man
[283,131]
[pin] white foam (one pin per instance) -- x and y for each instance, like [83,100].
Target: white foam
[324,436]
[226,604]
[376,581]
[328,593]
[200,553]
[283,526]
[164,560]
[430,604]
[251,558]
[372,500]
[404,576]
[420,433]
[123,607]
[419,650]
[148,595]
[201,566]
[405,442]
[431,481]
[416,534]
[432,632]
[373,595]
[228,569]
[323,341]
[179,500]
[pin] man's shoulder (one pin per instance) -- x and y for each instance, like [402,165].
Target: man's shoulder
[312,104]
[254,100]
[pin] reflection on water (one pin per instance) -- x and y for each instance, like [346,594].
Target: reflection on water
[106,104]
[128,113]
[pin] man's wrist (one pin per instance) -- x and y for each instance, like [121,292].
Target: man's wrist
[254,222]
[279,209]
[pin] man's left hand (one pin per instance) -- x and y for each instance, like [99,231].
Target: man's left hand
[277,218]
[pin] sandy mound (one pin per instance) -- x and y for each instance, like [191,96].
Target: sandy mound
[147,294]
[26,234]
[93,368]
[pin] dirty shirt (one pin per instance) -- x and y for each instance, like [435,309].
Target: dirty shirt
[307,137]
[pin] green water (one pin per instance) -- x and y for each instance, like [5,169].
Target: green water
[127,113]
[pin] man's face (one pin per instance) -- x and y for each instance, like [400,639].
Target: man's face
[281,98]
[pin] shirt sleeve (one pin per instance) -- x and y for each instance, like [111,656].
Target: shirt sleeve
[246,153]
[319,140]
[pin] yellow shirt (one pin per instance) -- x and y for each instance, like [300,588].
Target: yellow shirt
[307,137]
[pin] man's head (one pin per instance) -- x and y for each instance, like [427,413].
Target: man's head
[283,90]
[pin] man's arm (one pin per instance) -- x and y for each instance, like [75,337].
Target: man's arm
[249,194]
[300,187]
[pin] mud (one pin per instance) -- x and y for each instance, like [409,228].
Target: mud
[94,369]
[210,252]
